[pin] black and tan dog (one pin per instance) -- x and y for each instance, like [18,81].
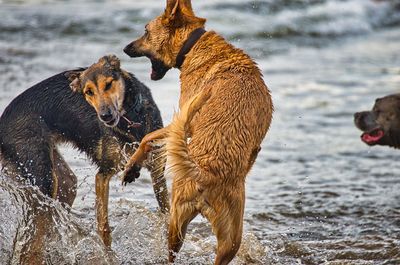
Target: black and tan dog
[121,110]
[212,144]
[381,125]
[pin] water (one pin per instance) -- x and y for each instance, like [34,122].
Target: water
[316,195]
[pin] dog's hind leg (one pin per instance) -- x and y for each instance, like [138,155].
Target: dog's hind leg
[67,180]
[183,210]
[226,218]
[102,191]
[31,154]
[181,215]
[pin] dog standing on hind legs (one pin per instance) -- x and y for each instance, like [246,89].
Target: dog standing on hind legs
[212,144]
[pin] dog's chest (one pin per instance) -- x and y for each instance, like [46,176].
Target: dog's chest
[112,151]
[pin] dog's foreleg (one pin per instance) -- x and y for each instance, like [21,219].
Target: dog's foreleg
[102,190]
[54,193]
[157,170]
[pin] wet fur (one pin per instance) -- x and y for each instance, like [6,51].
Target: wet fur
[210,153]
[50,113]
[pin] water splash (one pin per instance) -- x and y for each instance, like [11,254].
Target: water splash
[35,229]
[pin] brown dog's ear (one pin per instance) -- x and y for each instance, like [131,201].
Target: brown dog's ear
[73,76]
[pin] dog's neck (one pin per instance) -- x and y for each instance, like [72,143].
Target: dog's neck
[212,49]
[133,108]
[133,101]
[394,139]
[193,38]
[209,59]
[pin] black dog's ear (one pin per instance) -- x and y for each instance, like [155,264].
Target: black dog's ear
[75,85]
[112,60]
[115,62]
[73,76]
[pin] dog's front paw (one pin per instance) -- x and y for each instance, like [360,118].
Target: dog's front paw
[131,174]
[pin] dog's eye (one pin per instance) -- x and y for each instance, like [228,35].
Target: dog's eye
[108,86]
[89,92]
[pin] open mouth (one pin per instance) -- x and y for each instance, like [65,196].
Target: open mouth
[158,69]
[373,136]
[111,123]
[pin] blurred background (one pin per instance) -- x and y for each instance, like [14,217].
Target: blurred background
[316,195]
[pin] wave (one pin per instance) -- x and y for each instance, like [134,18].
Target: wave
[313,18]
[250,19]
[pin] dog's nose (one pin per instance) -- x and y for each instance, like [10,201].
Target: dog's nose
[360,115]
[127,48]
[106,116]
[131,51]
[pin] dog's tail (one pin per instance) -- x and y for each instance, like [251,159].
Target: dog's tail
[180,163]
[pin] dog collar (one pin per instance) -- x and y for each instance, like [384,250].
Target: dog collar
[136,107]
[194,36]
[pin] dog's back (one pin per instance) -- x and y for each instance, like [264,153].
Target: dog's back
[238,114]
[48,109]
[36,120]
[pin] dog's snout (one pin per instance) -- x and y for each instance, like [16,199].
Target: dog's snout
[132,51]
[365,120]
[106,115]
[127,48]
[358,115]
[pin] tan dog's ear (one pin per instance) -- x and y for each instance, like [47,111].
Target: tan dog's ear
[73,76]
[171,11]
[171,5]
[186,7]
[180,12]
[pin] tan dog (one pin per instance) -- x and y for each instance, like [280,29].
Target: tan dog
[211,152]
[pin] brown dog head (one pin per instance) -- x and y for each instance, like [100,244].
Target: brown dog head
[164,36]
[381,125]
[103,86]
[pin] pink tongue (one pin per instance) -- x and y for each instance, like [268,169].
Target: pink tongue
[153,73]
[372,138]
